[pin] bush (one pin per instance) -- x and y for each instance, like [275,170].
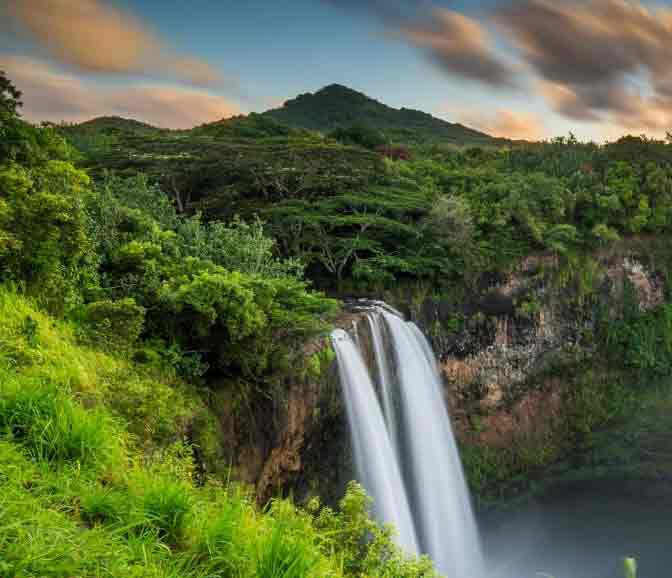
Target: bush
[283,555]
[246,323]
[113,323]
[43,231]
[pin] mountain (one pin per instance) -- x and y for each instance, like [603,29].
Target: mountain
[337,106]
[333,107]
[111,124]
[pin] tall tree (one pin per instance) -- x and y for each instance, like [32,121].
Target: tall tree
[10,98]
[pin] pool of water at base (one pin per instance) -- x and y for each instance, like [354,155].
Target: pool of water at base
[583,530]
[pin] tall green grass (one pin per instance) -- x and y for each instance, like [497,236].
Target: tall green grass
[53,426]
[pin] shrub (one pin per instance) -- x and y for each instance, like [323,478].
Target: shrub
[43,230]
[117,323]
[221,551]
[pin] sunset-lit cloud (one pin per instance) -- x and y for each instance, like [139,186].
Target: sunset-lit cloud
[596,60]
[92,36]
[461,46]
[53,95]
[502,123]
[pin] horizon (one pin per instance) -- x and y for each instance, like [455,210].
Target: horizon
[526,69]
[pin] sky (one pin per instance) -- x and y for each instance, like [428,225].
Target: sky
[528,69]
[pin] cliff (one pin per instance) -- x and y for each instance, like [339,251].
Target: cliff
[533,394]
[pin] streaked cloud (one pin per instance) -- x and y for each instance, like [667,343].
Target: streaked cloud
[92,36]
[458,44]
[503,123]
[50,94]
[461,46]
[597,60]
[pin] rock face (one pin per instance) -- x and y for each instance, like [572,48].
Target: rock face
[495,350]
[295,442]
[495,347]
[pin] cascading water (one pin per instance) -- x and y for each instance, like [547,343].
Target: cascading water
[433,483]
[445,521]
[385,381]
[375,459]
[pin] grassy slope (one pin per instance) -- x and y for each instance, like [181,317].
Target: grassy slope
[79,494]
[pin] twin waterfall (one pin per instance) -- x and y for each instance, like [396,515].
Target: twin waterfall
[403,444]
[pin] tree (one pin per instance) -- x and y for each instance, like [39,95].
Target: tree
[360,135]
[10,98]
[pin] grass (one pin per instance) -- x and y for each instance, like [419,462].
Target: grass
[44,355]
[54,427]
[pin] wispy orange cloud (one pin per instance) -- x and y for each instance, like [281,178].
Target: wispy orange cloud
[503,123]
[586,54]
[461,46]
[55,96]
[92,36]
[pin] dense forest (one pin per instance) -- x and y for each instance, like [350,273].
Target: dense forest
[142,269]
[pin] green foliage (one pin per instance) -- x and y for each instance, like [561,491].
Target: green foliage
[252,126]
[165,503]
[360,135]
[338,108]
[153,403]
[113,323]
[43,230]
[364,548]
[286,552]
[236,246]
[246,321]
[53,427]
[630,567]
[642,342]
[10,97]
[77,500]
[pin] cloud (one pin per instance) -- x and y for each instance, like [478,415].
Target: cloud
[55,96]
[591,57]
[504,124]
[457,43]
[94,37]
[461,47]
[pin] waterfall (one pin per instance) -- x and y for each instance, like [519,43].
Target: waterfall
[375,459]
[421,445]
[385,382]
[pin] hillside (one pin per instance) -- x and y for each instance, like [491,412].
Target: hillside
[112,124]
[337,106]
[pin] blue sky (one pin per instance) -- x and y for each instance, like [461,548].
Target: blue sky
[480,63]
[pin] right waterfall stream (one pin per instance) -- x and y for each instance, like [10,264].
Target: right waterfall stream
[403,443]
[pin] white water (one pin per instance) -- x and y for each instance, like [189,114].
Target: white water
[385,381]
[444,518]
[375,459]
[433,484]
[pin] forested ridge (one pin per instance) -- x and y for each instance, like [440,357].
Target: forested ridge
[141,269]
